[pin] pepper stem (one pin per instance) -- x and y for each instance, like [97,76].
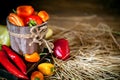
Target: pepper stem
[14,11]
[42,54]
[0,46]
[36,78]
[52,69]
[32,23]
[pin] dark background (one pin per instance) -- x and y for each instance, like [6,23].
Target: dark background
[63,7]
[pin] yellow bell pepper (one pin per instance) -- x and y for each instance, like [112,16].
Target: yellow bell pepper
[46,68]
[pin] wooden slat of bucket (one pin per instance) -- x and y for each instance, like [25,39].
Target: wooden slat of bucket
[21,45]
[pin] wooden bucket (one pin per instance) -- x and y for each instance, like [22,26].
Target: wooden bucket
[19,40]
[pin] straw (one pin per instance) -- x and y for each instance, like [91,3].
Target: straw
[95,52]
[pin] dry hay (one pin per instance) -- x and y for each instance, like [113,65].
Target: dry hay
[95,53]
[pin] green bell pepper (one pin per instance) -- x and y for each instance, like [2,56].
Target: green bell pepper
[4,36]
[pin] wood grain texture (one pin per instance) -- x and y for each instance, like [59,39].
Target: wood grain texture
[21,45]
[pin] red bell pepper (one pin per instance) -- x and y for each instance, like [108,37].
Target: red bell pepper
[9,66]
[24,10]
[16,59]
[33,20]
[61,49]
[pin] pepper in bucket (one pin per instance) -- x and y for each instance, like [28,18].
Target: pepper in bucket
[27,29]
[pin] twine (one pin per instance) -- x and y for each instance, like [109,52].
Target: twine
[37,34]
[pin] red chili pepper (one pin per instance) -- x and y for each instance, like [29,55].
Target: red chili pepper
[16,59]
[9,66]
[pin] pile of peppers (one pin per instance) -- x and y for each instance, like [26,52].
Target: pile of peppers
[8,57]
[13,63]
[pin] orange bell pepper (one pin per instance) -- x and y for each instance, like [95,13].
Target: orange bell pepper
[46,68]
[15,19]
[34,57]
[44,15]
[37,75]
[24,10]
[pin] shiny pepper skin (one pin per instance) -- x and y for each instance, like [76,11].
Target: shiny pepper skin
[16,59]
[24,10]
[5,62]
[46,68]
[61,49]
[32,20]
[34,57]
[15,19]
[44,15]
[37,75]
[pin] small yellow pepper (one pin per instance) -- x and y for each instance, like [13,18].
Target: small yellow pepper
[34,57]
[37,75]
[46,68]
